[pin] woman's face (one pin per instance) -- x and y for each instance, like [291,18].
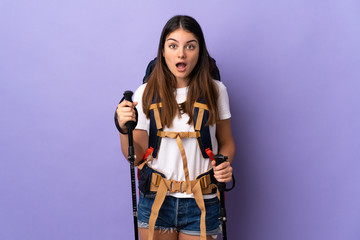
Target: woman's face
[181,53]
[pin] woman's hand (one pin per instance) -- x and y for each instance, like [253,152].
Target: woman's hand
[126,112]
[222,172]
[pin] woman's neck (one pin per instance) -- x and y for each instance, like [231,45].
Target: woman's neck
[181,83]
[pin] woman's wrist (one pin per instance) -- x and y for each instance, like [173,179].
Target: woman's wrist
[123,132]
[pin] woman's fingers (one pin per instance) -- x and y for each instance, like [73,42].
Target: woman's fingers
[126,112]
[222,172]
[126,103]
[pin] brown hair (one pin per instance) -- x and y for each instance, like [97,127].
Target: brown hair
[162,83]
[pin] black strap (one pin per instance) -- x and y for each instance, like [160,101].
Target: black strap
[233,184]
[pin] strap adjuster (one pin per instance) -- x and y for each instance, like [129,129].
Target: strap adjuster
[204,183]
[155,179]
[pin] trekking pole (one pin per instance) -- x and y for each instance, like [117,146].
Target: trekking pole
[131,158]
[221,187]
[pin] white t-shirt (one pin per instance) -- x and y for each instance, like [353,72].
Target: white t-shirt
[169,159]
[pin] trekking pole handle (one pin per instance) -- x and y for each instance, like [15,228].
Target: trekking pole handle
[128,97]
[131,124]
[219,159]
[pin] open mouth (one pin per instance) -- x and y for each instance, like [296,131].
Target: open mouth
[181,66]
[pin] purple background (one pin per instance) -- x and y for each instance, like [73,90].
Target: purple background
[292,69]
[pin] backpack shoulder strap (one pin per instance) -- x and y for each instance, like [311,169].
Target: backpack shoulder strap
[200,118]
[155,126]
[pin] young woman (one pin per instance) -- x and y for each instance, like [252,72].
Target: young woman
[184,115]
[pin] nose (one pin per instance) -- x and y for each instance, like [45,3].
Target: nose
[181,53]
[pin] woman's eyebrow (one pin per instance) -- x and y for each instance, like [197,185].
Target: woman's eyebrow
[191,41]
[172,39]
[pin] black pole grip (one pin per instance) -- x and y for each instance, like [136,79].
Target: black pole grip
[128,95]
[130,124]
[220,159]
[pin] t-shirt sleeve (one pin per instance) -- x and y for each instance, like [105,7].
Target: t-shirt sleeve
[223,101]
[143,122]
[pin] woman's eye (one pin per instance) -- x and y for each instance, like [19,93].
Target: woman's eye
[191,47]
[172,46]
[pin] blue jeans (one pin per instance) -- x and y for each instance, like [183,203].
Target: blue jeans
[180,214]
